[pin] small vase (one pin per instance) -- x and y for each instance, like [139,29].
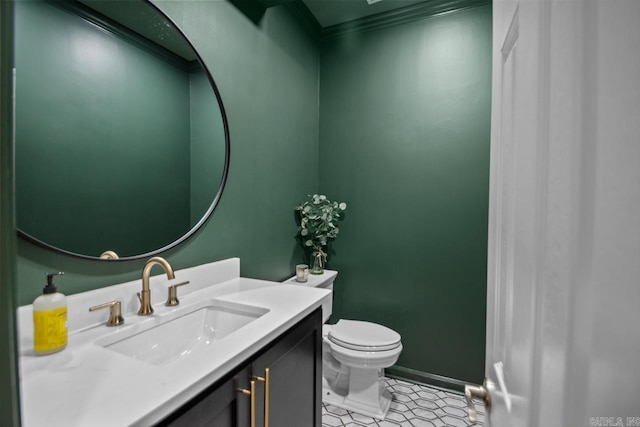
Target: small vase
[318,259]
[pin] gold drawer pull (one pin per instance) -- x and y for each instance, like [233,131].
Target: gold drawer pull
[265,380]
[252,394]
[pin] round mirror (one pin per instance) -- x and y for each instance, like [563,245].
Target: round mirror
[121,138]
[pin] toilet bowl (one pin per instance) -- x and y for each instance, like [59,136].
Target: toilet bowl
[354,356]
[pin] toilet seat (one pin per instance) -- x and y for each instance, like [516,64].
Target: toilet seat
[365,359]
[363,336]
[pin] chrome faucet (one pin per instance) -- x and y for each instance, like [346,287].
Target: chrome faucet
[145,295]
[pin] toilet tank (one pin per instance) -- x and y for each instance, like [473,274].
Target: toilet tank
[324,280]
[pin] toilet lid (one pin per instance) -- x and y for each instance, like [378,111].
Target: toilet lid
[365,336]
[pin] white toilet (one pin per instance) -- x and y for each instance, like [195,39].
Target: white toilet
[354,355]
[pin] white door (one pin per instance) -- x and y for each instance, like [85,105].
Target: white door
[563,309]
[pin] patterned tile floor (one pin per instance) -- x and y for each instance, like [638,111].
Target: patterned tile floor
[413,405]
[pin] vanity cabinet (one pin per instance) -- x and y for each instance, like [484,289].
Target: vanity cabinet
[220,405]
[287,385]
[293,366]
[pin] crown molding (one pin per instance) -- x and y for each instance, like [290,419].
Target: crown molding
[399,16]
[305,17]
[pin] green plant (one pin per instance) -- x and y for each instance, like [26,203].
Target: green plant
[318,220]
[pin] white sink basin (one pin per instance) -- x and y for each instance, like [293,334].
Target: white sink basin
[182,332]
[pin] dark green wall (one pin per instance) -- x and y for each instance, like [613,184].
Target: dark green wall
[404,140]
[99,123]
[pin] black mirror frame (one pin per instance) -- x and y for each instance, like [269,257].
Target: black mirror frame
[217,197]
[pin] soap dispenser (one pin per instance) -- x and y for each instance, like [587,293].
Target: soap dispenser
[50,319]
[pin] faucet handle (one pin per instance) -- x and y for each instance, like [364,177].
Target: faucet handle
[115,314]
[172,298]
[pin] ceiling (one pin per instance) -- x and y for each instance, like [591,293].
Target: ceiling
[334,12]
[140,18]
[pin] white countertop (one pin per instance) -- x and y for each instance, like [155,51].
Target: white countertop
[88,385]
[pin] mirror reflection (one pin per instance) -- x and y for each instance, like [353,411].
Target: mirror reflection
[120,139]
